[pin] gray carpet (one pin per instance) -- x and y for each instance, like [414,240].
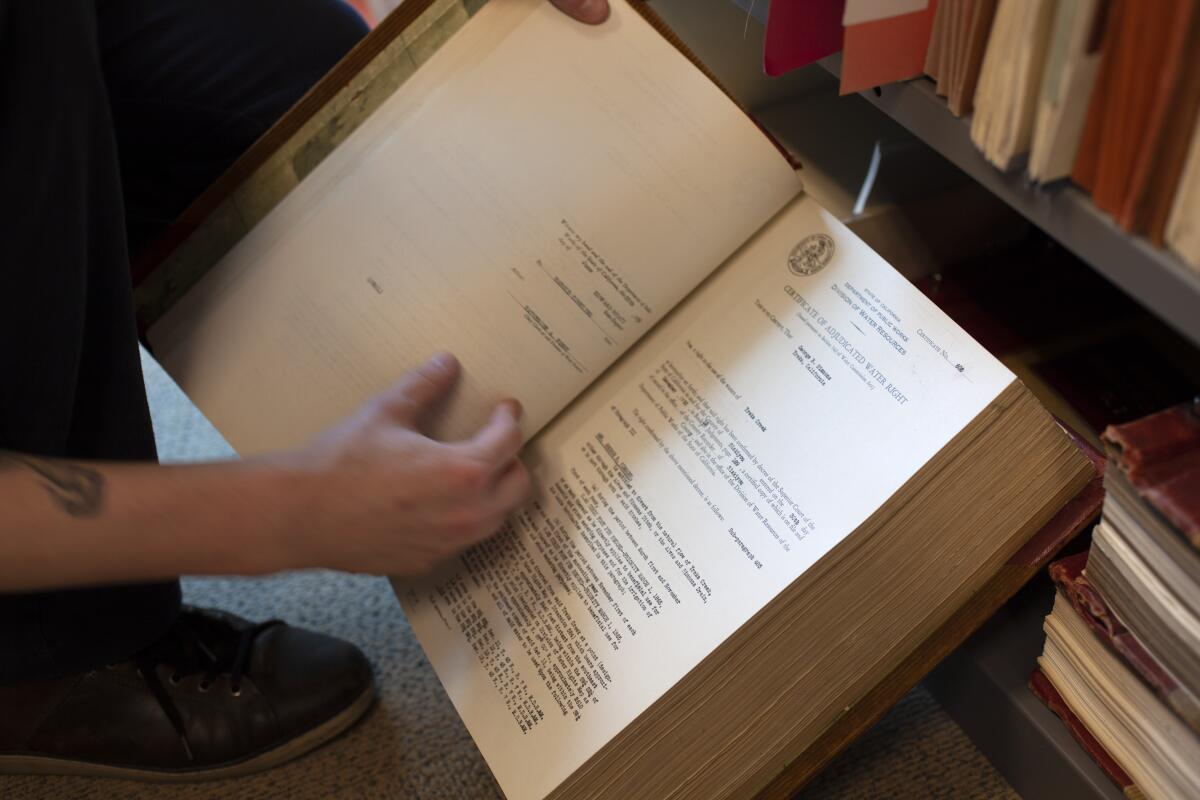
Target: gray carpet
[412,744]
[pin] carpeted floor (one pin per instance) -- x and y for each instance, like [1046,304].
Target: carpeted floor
[412,744]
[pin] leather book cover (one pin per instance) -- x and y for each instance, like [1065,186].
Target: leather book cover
[969,61]
[1175,92]
[1068,574]
[1087,158]
[1041,686]
[1138,67]
[1161,456]
[1167,175]
[937,39]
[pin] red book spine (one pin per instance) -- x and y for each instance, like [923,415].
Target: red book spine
[1161,455]
[1067,574]
[1045,691]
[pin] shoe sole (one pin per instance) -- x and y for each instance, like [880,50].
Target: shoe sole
[293,748]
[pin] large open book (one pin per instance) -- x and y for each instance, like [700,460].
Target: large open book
[774,482]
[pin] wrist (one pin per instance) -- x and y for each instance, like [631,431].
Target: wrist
[287,492]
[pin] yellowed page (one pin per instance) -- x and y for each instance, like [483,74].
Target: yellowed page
[776,410]
[533,200]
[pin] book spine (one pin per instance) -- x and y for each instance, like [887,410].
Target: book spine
[1089,603]
[1160,454]
[1041,686]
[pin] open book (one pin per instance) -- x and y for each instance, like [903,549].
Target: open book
[768,471]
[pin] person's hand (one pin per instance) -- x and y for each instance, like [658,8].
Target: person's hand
[385,498]
[593,12]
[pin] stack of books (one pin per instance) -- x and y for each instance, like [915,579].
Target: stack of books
[1121,664]
[1105,93]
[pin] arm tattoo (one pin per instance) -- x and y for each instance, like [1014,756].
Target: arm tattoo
[76,489]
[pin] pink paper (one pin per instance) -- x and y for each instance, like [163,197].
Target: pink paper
[801,31]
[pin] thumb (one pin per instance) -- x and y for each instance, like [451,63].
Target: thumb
[412,397]
[593,12]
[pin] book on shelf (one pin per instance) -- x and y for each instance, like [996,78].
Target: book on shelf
[956,48]
[774,482]
[1072,61]
[1149,743]
[1010,80]
[1067,574]
[1044,690]
[1160,458]
[1105,93]
[1159,162]
[1135,103]
[1144,559]
[1182,232]
[883,50]
[1123,641]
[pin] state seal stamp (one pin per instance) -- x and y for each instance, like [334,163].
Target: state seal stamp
[811,254]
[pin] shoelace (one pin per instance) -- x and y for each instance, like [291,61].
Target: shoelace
[185,650]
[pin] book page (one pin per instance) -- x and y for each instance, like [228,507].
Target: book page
[533,200]
[762,423]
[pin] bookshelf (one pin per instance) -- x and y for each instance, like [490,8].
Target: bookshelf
[1155,278]
[755,8]
[983,684]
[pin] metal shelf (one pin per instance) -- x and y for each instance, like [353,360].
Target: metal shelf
[756,8]
[1156,278]
[983,685]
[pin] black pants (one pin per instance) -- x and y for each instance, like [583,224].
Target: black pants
[114,114]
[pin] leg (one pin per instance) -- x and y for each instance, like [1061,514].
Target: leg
[191,84]
[70,378]
[193,694]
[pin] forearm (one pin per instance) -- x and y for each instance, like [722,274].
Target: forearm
[70,523]
[371,494]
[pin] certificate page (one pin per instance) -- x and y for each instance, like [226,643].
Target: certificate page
[781,405]
[533,199]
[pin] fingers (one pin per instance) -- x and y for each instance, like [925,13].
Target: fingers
[512,487]
[484,515]
[593,12]
[420,390]
[499,440]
